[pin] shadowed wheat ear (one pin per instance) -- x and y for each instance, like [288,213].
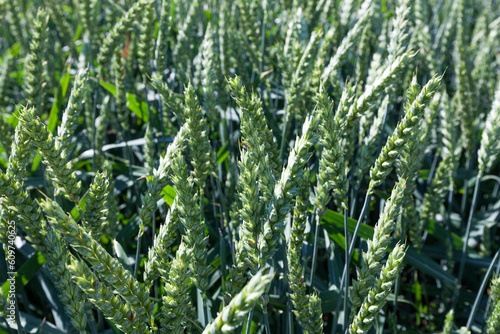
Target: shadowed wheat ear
[102,262]
[112,306]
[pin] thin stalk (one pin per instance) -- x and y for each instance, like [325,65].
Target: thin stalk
[481,290]
[249,321]
[432,169]
[205,313]
[94,108]
[266,318]
[250,314]
[467,231]
[466,188]
[315,247]
[284,134]
[136,264]
[343,280]
[346,288]
[360,220]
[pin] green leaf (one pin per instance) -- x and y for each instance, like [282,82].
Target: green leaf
[440,233]
[121,254]
[36,162]
[54,111]
[223,153]
[140,109]
[169,194]
[333,222]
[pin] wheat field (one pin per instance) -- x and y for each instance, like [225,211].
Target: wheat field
[249,166]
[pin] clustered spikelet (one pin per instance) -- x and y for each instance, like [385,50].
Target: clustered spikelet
[158,261]
[108,267]
[448,323]
[250,211]
[160,175]
[490,140]
[493,323]
[35,63]
[54,154]
[172,108]
[403,132]
[367,152]
[27,212]
[149,149]
[347,43]
[145,46]
[376,297]
[255,130]
[332,174]
[198,143]
[19,154]
[111,306]
[69,121]
[307,308]
[190,217]
[95,215]
[118,71]
[285,190]
[233,314]
[384,228]
[299,77]
[4,72]
[69,293]
[176,303]
[121,27]
[209,76]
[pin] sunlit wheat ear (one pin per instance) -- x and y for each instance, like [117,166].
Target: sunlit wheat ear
[35,66]
[73,298]
[377,247]
[493,323]
[198,143]
[286,189]
[490,140]
[404,131]
[158,264]
[160,178]
[233,314]
[376,298]
[53,154]
[95,215]
[448,322]
[69,123]
[176,303]
[191,218]
[307,308]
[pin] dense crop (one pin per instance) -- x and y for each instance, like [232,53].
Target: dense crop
[319,166]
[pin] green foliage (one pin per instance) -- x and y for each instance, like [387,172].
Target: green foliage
[214,166]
